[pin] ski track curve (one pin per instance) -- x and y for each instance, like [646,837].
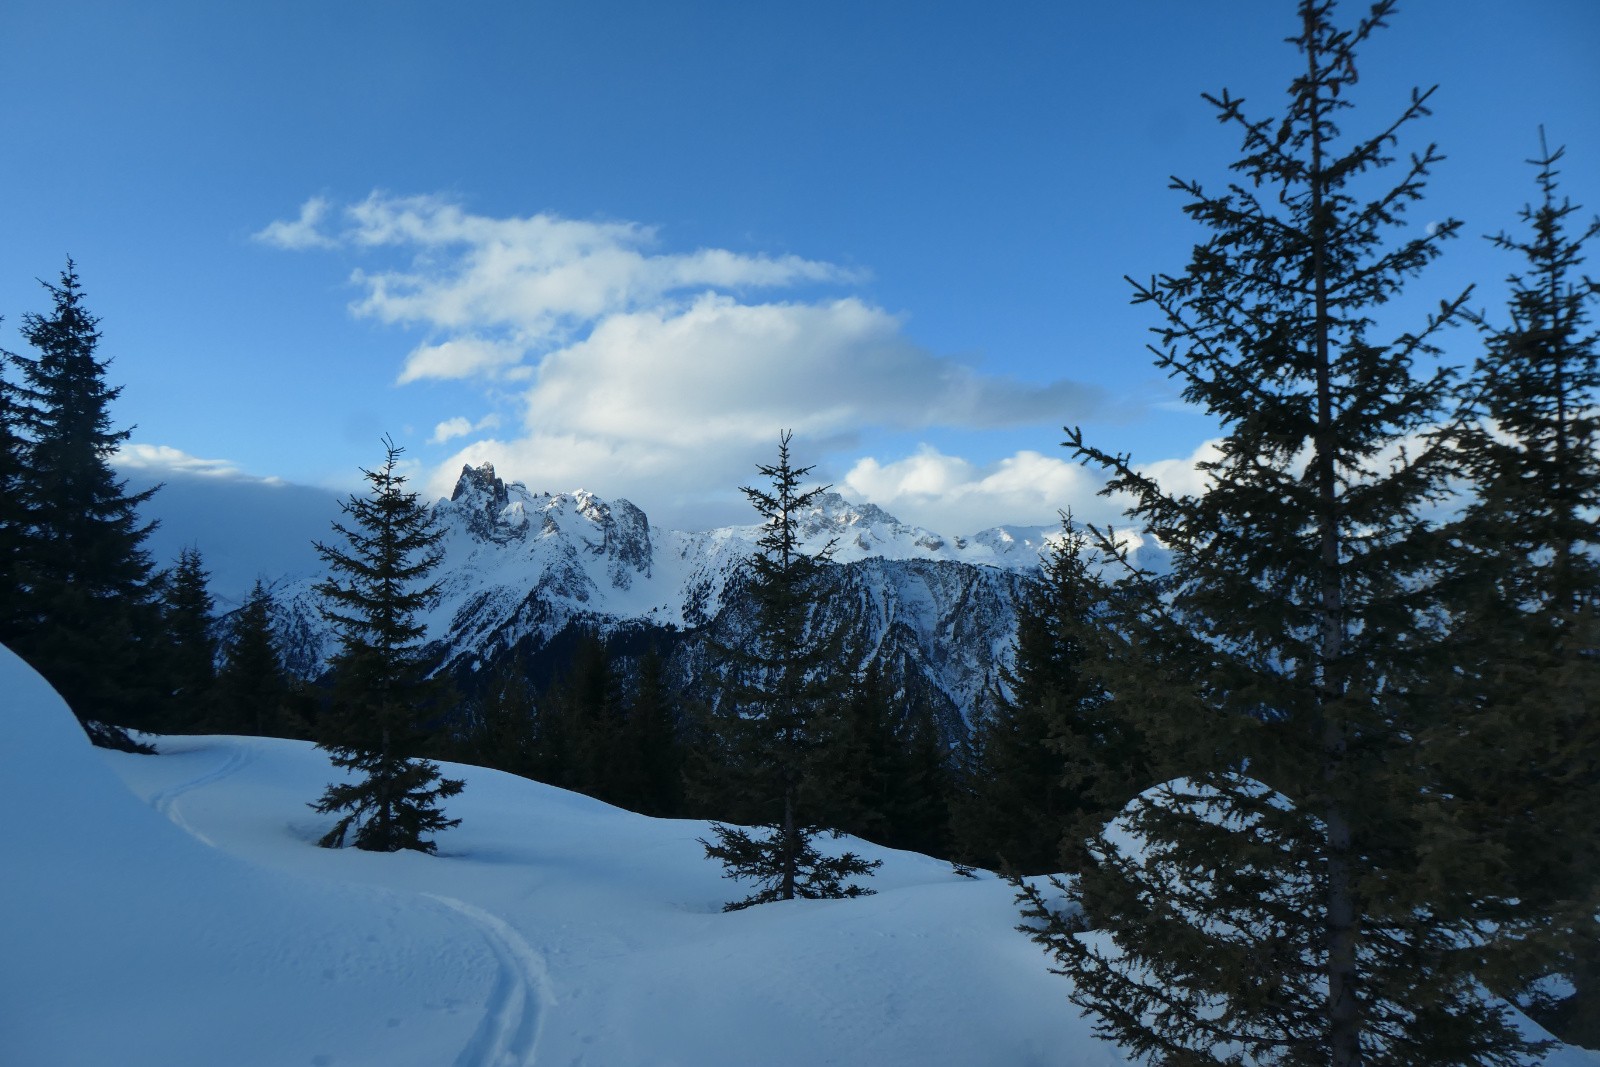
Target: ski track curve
[240,754]
[509,1030]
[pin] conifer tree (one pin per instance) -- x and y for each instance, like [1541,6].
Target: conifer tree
[922,820]
[253,686]
[650,750]
[1268,906]
[382,696]
[1521,725]
[588,700]
[862,772]
[188,622]
[771,709]
[16,527]
[501,730]
[882,768]
[89,614]
[1052,761]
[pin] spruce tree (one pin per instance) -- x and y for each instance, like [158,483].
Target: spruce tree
[588,701]
[500,730]
[1272,904]
[781,677]
[89,617]
[188,622]
[922,820]
[1520,720]
[650,749]
[863,769]
[882,767]
[16,525]
[253,686]
[1052,760]
[383,698]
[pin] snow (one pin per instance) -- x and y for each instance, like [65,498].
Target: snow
[174,910]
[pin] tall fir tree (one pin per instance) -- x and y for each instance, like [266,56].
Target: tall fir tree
[588,701]
[927,795]
[882,769]
[16,526]
[252,691]
[1517,743]
[189,628]
[500,731]
[89,618]
[863,769]
[770,711]
[1271,905]
[383,699]
[650,749]
[1052,761]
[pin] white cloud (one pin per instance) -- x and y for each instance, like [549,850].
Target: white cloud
[659,373]
[303,232]
[461,426]
[158,460]
[1183,477]
[538,278]
[450,429]
[460,357]
[953,495]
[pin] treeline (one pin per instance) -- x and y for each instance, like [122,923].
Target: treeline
[129,645]
[1326,784]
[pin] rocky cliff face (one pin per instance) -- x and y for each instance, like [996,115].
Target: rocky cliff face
[521,569]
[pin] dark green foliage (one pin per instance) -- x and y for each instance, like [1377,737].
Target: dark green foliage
[1274,905]
[581,724]
[858,779]
[253,687]
[88,620]
[649,749]
[1520,724]
[786,867]
[383,700]
[770,720]
[922,822]
[881,769]
[191,645]
[1052,761]
[16,527]
[500,730]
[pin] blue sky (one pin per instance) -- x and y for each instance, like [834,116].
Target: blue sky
[619,245]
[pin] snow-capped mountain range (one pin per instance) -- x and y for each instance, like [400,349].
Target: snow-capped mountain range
[520,567]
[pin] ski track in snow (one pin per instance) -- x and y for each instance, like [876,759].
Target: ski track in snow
[240,754]
[510,1028]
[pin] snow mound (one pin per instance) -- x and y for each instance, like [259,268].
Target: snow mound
[128,941]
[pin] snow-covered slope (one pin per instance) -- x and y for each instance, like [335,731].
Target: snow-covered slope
[187,919]
[174,911]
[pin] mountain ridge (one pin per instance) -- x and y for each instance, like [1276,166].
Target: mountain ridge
[521,567]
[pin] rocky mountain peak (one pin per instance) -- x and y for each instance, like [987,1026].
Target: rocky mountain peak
[481,497]
[481,483]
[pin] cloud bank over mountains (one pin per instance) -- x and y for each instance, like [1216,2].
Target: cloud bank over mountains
[665,375]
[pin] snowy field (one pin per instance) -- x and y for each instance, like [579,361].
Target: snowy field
[174,910]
